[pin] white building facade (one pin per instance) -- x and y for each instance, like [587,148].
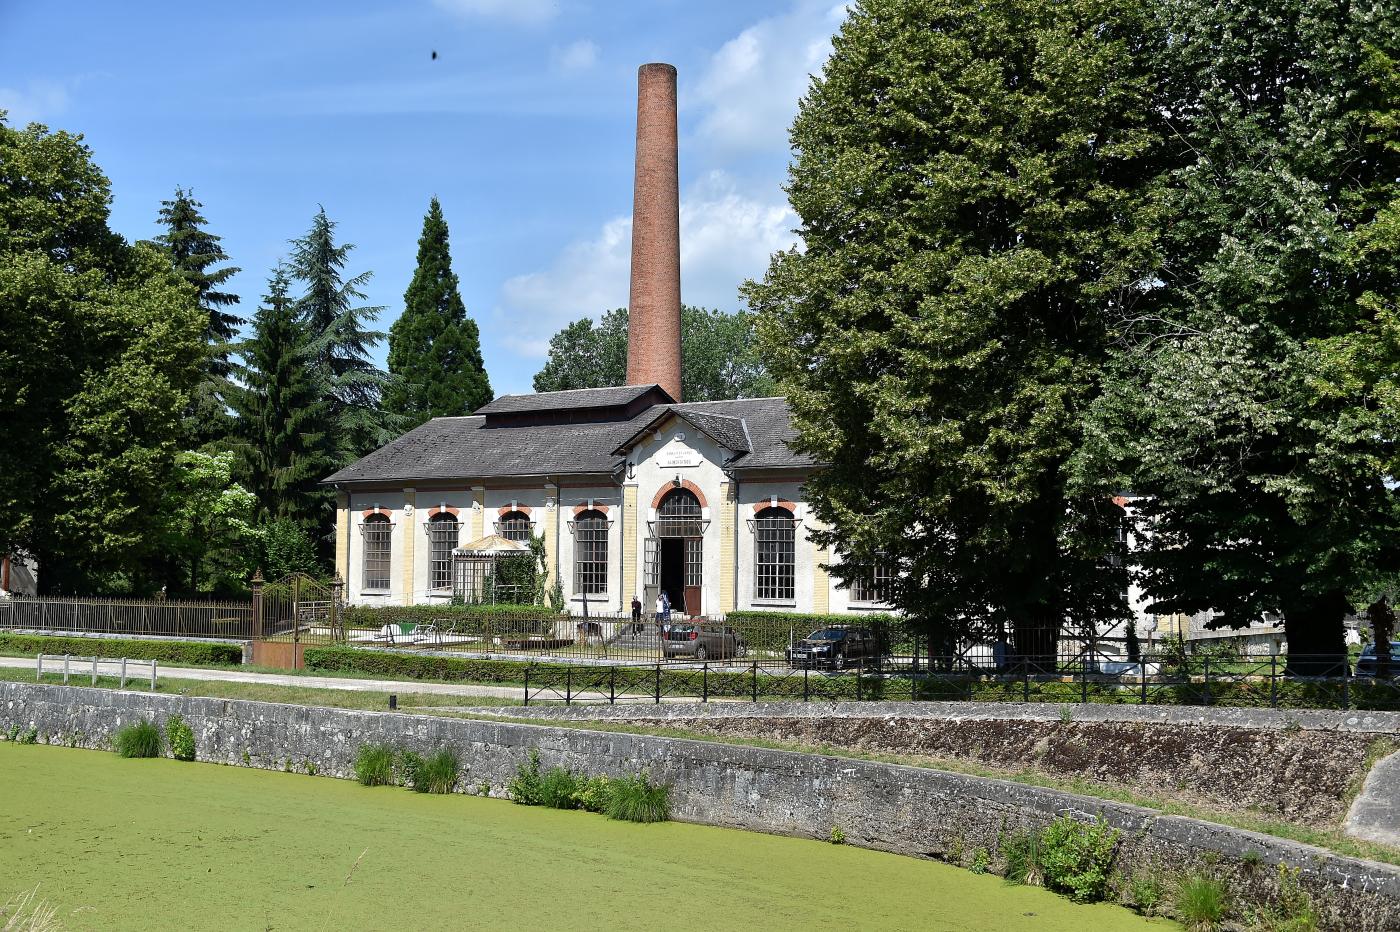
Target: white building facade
[632,494]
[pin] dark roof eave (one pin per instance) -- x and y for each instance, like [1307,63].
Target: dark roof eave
[333,481]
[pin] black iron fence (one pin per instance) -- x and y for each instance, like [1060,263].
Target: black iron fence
[128,617]
[1327,682]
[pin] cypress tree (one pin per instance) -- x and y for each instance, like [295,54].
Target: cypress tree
[340,341]
[282,414]
[434,347]
[194,252]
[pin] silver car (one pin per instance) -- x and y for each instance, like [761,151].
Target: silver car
[700,641]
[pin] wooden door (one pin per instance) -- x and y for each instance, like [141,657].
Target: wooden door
[694,575]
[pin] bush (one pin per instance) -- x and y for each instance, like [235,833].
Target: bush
[374,765]
[437,773]
[1076,857]
[139,739]
[1021,852]
[559,789]
[1294,910]
[637,799]
[593,794]
[1145,893]
[525,787]
[192,652]
[469,617]
[406,767]
[181,738]
[1200,902]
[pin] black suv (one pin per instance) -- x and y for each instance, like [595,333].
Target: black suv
[836,648]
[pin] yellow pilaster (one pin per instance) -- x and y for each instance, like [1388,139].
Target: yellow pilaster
[410,537]
[342,531]
[728,515]
[821,579]
[551,537]
[629,546]
[478,512]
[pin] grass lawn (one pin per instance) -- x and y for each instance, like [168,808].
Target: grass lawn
[157,844]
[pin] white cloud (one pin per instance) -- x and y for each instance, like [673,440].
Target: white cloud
[726,237]
[748,93]
[38,100]
[577,56]
[518,11]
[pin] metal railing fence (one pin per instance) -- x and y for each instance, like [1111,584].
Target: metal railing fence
[128,617]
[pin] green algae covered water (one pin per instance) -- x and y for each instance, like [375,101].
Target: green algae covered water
[158,844]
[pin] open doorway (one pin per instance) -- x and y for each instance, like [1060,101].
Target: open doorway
[673,572]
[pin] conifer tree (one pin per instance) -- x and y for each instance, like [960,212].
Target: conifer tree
[434,347]
[341,341]
[282,415]
[194,252]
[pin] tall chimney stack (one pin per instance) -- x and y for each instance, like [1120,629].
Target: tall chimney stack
[654,308]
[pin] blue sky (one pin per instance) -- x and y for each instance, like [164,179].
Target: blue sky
[523,127]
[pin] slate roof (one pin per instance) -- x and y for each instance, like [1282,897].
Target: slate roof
[619,396]
[451,448]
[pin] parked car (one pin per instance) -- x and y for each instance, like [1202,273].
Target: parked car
[1368,664]
[835,647]
[702,641]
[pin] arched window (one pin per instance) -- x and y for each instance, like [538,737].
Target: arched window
[442,540]
[590,552]
[679,515]
[514,525]
[775,535]
[377,531]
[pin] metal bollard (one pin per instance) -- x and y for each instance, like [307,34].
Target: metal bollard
[123,681]
[153,676]
[65,669]
[39,668]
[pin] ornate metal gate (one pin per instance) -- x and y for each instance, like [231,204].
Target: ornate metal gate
[293,612]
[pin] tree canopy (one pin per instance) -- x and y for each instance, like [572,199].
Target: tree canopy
[719,360]
[969,179]
[434,347]
[104,342]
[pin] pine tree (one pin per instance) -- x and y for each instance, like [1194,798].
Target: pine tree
[340,341]
[282,415]
[194,251]
[434,348]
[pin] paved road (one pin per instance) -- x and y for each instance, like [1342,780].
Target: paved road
[80,671]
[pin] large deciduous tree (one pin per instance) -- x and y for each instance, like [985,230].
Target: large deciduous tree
[103,343]
[434,347]
[971,180]
[341,341]
[719,357]
[1255,404]
[195,252]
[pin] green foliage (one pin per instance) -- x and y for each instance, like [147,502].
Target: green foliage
[593,794]
[188,652]
[284,440]
[1293,909]
[340,342]
[638,799]
[180,736]
[559,789]
[367,616]
[524,787]
[406,767]
[1201,902]
[434,347]
[285,548]
[374,765]
[1020,851]
[719,359]
[192,251]
[1254,402]
[206,530]
[1076,857]
[1146,893]
[436,773]
[971,182]
[981,861]
[139,739]
[104,343]
[837,835]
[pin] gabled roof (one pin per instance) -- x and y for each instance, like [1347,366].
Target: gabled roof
[725,429]
[466,448]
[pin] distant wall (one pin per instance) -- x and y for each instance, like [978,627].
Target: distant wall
[912,811]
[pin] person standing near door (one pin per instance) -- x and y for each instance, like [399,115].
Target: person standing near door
[636,615]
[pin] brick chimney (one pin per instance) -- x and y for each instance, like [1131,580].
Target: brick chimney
[654,324]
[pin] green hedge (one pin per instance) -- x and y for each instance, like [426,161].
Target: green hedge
[770,630]
[370,616]
[194,652]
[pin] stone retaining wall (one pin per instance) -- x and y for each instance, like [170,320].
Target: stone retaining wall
[908,810]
